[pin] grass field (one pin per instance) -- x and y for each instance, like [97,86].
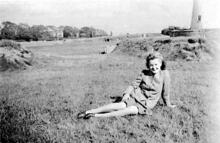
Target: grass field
[40,104]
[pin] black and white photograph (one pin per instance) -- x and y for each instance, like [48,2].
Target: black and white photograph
[109,71]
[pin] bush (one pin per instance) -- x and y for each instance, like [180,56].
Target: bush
[13,56]
[192,40]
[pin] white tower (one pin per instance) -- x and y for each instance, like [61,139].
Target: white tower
[196,22]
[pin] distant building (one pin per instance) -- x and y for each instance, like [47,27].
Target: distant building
[0,32]
[99,33]
[54,32]
[1,26]
[0,29]
[77,34]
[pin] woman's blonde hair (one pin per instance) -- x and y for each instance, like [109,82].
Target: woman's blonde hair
[156,55]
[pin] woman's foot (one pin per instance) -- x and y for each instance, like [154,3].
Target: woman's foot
[81,115]
[89,115]
[84,115]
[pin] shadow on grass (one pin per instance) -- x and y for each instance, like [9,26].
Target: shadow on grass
[19,123]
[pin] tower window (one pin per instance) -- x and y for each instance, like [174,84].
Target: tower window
[199,18]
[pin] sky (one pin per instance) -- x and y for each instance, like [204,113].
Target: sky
[118,16]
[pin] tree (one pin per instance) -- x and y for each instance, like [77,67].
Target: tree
[24,32]
[91,32]
[39,32]
[75,31]
[87,32]
[9,30]
[69,31]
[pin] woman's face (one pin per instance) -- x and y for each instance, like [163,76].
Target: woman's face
[155,65]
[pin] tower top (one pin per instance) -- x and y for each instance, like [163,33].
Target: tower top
[196,22]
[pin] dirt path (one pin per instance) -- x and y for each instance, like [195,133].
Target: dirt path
[69,60]
[75,57]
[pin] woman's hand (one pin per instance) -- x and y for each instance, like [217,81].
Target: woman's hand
[126,96]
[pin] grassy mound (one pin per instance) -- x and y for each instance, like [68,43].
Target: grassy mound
[175,48]
[13,56]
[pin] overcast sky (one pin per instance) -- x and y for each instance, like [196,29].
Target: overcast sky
[119,16]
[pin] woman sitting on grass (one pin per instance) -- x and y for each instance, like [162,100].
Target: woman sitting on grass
[144,93]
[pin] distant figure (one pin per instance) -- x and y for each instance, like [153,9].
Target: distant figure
[144,35]
[143,95]
[108,49]
[106,39]
[111,33]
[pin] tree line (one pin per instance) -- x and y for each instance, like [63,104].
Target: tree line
[24,32]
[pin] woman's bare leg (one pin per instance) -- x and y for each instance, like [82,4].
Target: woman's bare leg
[126,111]
[108,108]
